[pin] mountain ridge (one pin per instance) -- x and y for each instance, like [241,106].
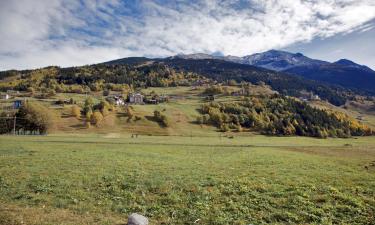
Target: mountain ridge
[343,72]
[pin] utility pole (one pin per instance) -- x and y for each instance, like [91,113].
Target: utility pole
[14,124]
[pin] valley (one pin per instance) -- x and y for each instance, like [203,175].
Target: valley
[95,159]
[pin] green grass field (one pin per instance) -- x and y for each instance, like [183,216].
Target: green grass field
[189,174]
[93,179]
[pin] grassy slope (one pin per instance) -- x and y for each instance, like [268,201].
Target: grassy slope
[177,180]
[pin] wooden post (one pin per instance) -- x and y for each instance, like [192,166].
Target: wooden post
[14,124]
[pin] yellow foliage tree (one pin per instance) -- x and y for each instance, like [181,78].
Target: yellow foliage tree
[76,111]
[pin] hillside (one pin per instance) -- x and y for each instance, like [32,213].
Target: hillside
[356,76]
[194,82]
[283,83]
[131,73]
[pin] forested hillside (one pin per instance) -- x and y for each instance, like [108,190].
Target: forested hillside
[283,83]
[130,73]
[277,115]
[95,78]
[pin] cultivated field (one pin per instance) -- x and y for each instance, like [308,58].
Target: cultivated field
[100,179]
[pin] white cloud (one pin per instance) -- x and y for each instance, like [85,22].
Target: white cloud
[37,33]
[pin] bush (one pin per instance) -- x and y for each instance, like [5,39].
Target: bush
[96,118]
[137,118]
[51,93]
[106,92]
[129,112]
[88,106]
[161,118]
[213,90]
[104,107]
[35,117]
[6,123]
[105,111]
[224,128]
[76,111]
[164,120]
[88,115]
[239,128]
[232,83]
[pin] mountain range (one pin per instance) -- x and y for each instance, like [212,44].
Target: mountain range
[342,72]
[287,73]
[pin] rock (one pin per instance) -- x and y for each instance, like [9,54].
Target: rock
[136,219]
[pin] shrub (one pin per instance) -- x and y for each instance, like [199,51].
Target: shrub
[200,119]
[161,118]
[88,115]
[51,93]
[137,118]
[205,118]
[105,111]
[76,111]
[104,106]
[59,102]
[224,128]
[106,92]
[6,123]
[213,90]
[35,117]
[96,118]
[232,83]
[88,106]
[164,120]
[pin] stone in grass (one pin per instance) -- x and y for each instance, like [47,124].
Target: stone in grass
[136,219]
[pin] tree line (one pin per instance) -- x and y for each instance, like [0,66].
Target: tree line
[97,77]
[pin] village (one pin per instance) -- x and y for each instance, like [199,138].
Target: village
[141,96]
[13,100]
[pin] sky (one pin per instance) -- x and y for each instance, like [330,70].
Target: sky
[39,33]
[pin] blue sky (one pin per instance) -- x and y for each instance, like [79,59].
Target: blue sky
[38,33]
[356,46]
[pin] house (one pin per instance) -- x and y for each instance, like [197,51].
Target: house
[315,98]
[119,100]
[12,92]
[17,104]
[5,96]
[136,98]
[308,96]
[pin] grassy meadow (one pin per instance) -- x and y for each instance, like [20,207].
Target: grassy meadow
[182,174]
[99,179]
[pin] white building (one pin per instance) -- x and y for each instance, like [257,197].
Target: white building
[119,101]
[136,98]
[5,96]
